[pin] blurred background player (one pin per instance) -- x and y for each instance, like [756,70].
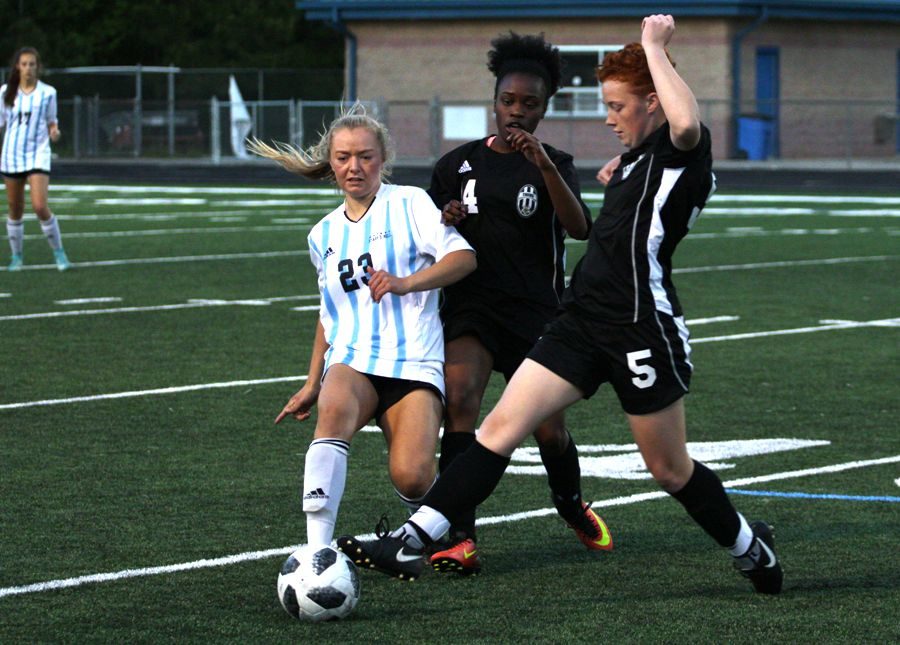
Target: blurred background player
[29,115]
[514,199]
[620,322]
[378,350]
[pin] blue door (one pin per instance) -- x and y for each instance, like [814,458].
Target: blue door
[768,93]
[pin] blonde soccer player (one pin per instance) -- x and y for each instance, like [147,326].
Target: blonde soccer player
[378,350]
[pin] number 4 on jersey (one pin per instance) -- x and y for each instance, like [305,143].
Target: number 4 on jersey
[468,197]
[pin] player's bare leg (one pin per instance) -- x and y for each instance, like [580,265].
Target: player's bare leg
[15,230]
[39,184]
[662,440]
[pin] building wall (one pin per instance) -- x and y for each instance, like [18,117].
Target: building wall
[837,81]
[409,64]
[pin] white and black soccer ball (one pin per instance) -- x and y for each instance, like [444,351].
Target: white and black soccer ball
[318,582]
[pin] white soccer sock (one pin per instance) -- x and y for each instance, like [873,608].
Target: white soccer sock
[51,231]
[428,520]
[744,539]
[15,230]
[324,477]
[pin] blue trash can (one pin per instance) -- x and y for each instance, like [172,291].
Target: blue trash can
[755,136]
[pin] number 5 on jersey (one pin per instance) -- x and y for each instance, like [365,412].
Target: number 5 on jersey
[468,197]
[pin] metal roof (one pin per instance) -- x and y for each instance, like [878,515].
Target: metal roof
[378,10]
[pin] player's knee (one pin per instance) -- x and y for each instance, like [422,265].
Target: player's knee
[463,400]
[552,437]
[668,474]
[334,422]
[42,211]
[411,480]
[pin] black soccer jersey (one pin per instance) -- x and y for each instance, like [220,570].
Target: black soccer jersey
[511,224]
[649,205]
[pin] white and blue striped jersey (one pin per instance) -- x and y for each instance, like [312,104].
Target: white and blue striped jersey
[26,143]
[401,336]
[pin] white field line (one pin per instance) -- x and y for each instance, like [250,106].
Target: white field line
[198,303]
[785,263]
[721,211]
[271,254]
[889,322]
[849,324]
[720,198]
[298,226]
[641,497]
[783,232]
[200,201]
[192,190]
[87,301]
[248,556]
[754,232]
[171,259]
[191,304]
[712,319]
[161,390]
[172,215]
[151,201]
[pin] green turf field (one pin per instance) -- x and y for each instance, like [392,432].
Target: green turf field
[145,495]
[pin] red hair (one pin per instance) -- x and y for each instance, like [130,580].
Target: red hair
[629,65]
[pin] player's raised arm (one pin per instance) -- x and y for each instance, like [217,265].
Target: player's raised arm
[676,98]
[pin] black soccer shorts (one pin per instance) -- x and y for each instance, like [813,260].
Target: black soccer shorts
[391,390]
[507,331]
[647,363]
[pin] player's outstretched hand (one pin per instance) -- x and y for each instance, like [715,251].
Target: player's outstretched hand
[606,172]
[299,405]
[454,212]
[657,30]
[382,283]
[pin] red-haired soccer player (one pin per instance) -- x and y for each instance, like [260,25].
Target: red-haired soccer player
[621,323]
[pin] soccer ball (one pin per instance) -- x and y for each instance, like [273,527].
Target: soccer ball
[318,582]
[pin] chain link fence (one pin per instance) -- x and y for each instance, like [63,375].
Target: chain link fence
[164,112]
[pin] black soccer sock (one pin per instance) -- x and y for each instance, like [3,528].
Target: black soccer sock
[706,502]
[468,481]
[564,478]
[453,444]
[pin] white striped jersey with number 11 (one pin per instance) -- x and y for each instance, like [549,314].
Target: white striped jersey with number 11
[401,336]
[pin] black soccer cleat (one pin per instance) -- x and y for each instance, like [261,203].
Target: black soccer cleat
[386,554]
[759,564]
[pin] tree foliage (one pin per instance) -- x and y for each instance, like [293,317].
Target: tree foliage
[196,33]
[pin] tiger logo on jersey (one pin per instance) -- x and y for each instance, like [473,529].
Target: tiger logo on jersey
[527,201]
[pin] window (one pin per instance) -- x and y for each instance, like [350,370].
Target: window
[579,93]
